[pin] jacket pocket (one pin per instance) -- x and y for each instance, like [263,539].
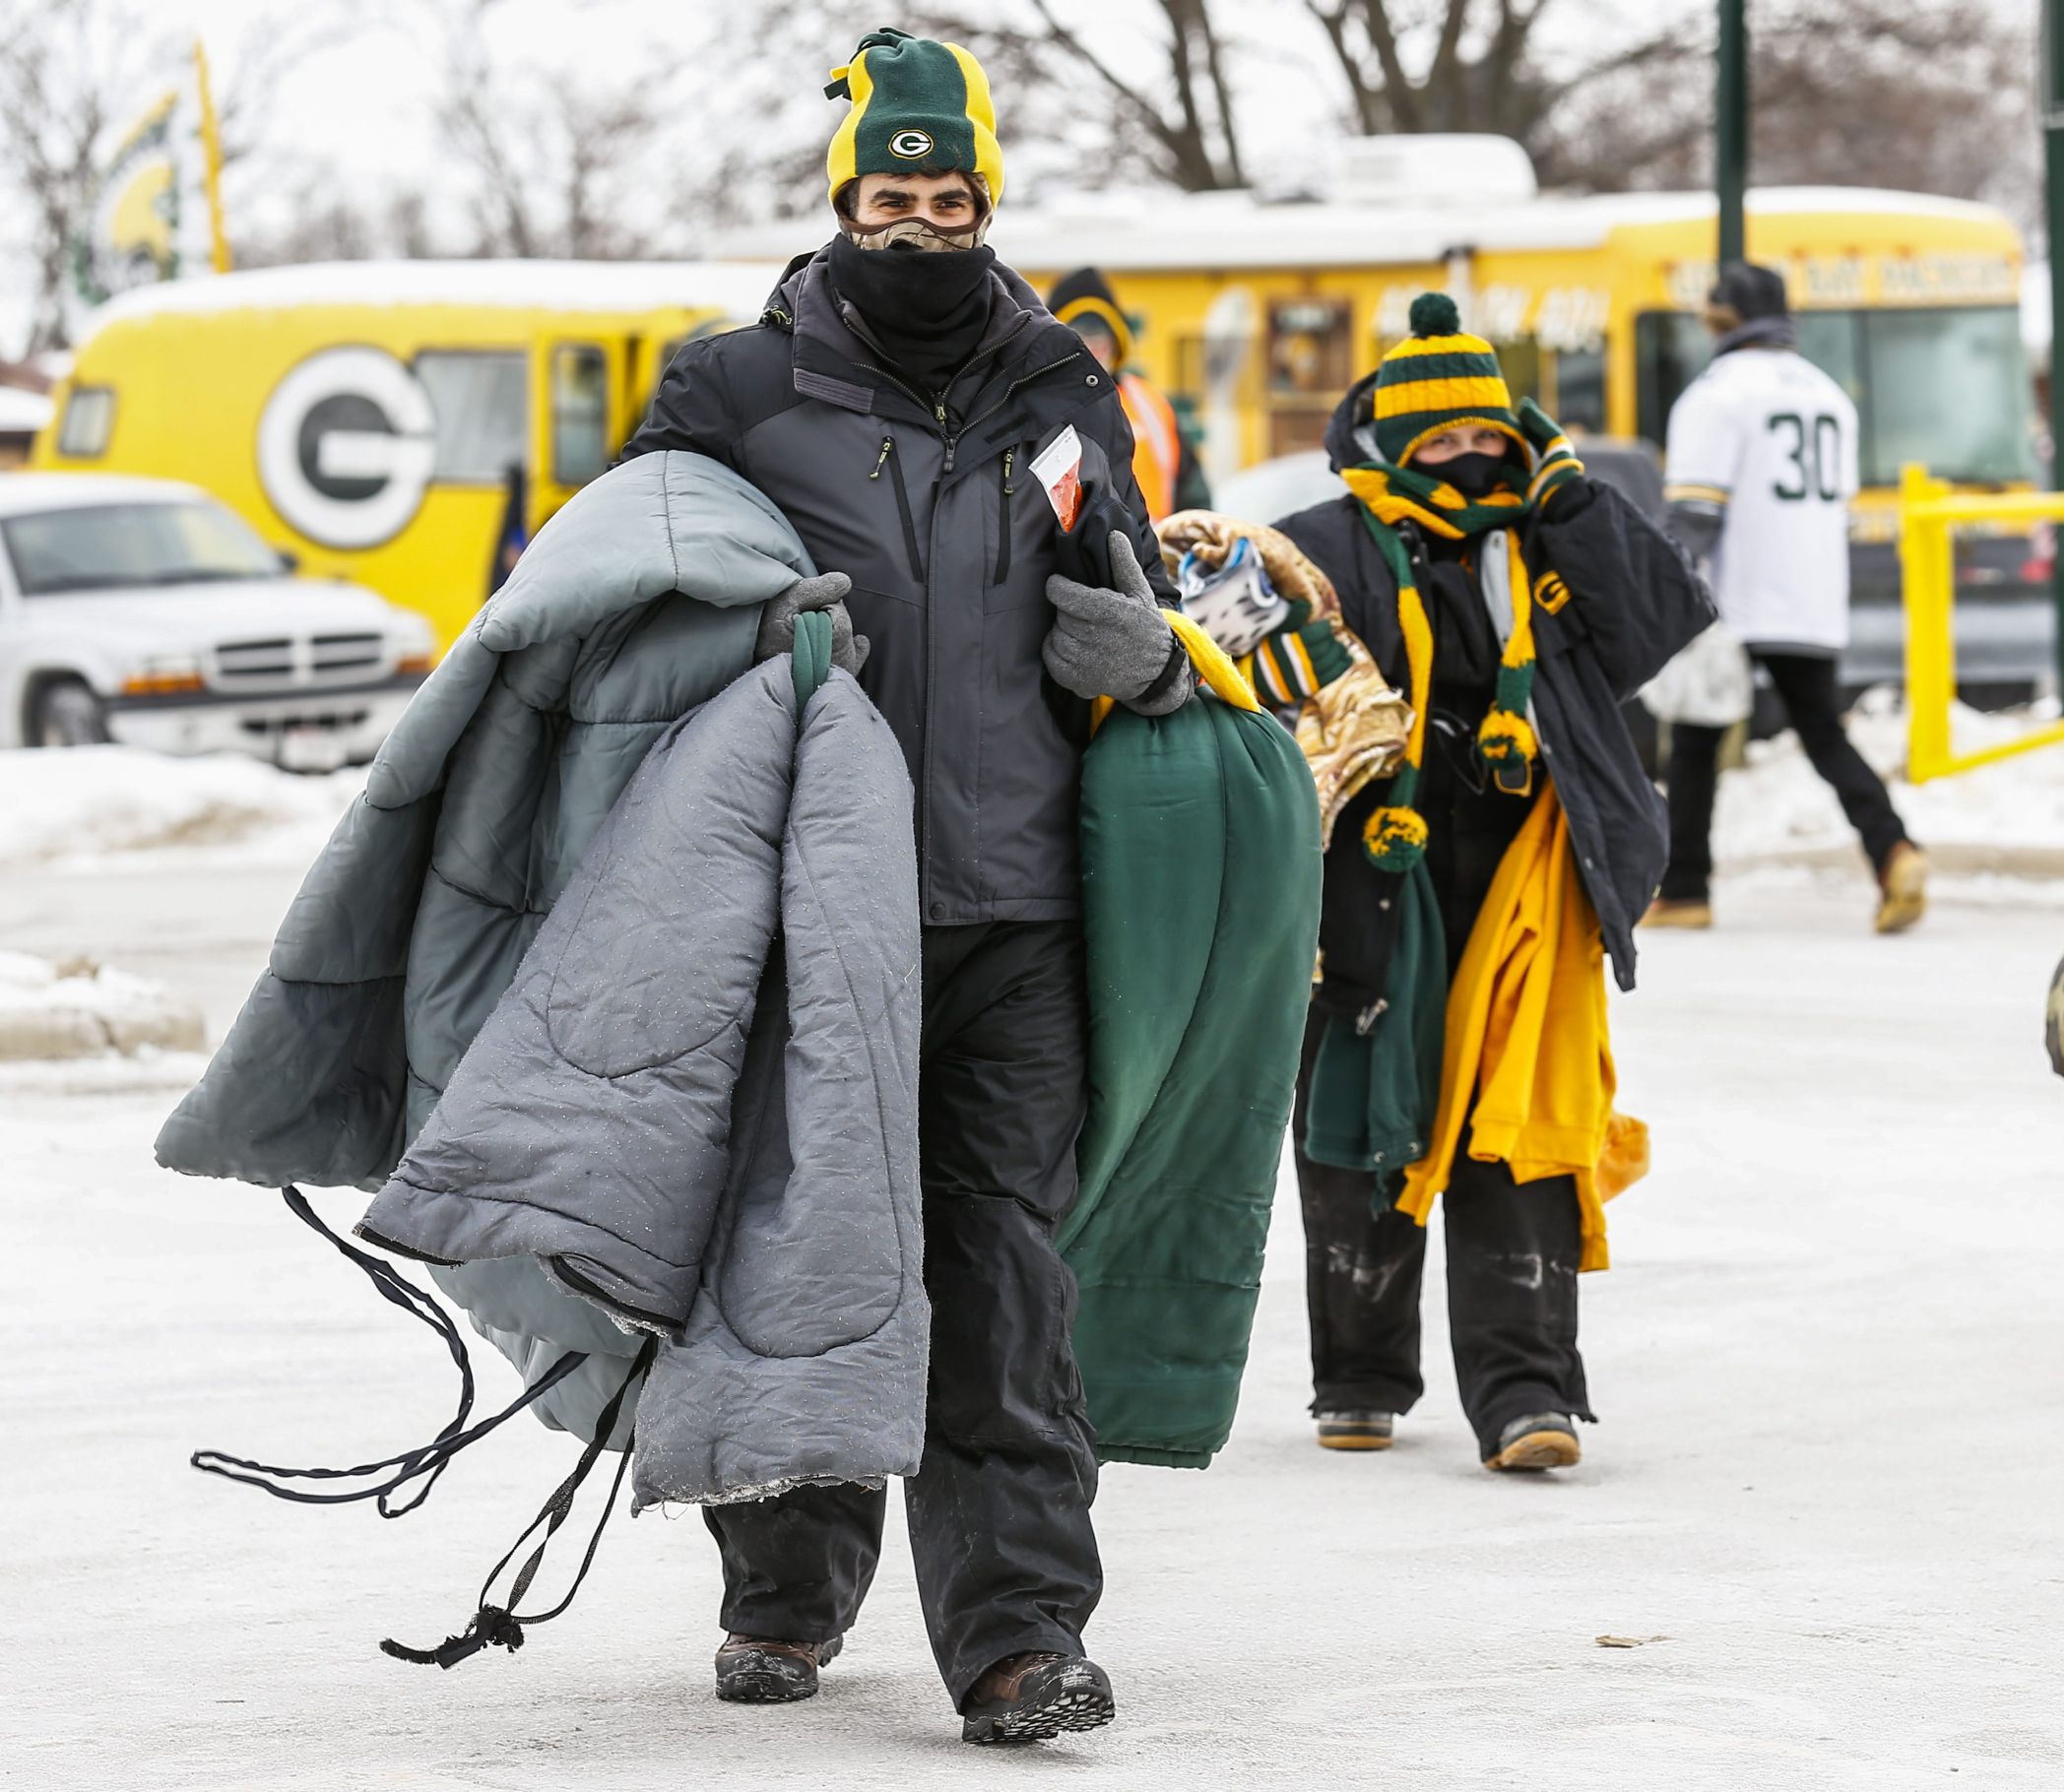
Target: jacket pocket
[1008,487]
[888,458]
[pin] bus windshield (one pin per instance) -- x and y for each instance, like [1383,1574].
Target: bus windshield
[1947,388]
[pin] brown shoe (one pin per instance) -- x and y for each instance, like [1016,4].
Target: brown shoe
[1035,1698]
[1354,1429]
[1678,912]
[1902,889]
[760,1671]
[1538,1441]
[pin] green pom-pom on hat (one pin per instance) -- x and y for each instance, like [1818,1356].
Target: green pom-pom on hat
[1434,314]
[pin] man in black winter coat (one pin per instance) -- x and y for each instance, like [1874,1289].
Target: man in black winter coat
[892,402]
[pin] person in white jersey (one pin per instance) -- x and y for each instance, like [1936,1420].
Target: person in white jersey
[1761,467]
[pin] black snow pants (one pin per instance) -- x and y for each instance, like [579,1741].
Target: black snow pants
[1513,1253]
[1808,687]
[998,1510]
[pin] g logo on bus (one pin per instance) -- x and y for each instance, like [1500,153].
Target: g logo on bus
[346,446]
[912,146]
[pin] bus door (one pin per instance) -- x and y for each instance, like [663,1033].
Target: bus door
[581,420]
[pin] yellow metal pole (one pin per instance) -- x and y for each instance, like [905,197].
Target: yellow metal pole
[212,163]
[1928,572]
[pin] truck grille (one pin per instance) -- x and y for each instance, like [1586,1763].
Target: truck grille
[298,662]
[255,661]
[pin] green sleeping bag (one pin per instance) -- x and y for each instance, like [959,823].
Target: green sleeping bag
[1200,905]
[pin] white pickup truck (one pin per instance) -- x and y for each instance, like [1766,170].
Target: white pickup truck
[146,612]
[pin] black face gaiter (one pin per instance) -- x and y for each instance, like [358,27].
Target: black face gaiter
[925,307]
[1474,475]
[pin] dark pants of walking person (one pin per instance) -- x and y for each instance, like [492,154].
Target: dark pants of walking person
[1513,1251]
[1811,693]
[1000,1529]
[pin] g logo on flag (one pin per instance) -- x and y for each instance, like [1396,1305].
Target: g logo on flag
[346,446]
[912,146]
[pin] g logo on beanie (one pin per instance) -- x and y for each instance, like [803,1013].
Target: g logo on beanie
[912,146]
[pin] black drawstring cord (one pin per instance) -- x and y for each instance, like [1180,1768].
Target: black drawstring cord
[429,1460]
[502,1625]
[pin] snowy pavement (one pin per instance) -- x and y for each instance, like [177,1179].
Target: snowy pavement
[1824,1497]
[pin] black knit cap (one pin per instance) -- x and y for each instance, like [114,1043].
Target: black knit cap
[1750,290]
[1084,300]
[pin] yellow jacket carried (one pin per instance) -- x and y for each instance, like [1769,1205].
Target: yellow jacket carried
[1526,1038]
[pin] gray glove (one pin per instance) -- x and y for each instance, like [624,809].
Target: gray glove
[1116,643]
[826,591]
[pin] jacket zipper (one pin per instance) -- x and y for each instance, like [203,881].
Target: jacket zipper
[982,416]
[910,528]
[1003,516]
[930,630]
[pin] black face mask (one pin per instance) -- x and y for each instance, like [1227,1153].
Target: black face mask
[925,307]
[1474,475]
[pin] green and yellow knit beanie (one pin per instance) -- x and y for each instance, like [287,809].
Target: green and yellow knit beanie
[917,107]
[1438,378]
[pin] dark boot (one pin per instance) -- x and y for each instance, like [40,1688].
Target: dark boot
[1035,1698]
[757,1671]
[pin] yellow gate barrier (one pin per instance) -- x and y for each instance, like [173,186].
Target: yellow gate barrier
[1928,511]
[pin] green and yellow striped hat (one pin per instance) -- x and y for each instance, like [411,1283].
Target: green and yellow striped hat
[917,107]
[1438,378]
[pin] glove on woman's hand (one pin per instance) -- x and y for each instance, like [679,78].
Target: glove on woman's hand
[1555,464]
[1116,642]
[826,591]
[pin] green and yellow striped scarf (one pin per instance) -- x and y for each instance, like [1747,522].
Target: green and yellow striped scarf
[1394,836]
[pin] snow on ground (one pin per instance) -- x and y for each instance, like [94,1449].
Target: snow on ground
[123,798]
[1774,807]
[82,1009]
[1823,1493]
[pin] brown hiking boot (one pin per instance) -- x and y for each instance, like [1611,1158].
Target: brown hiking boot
[1035,1698]
[1679,911]
[1902,889]
[759,1671]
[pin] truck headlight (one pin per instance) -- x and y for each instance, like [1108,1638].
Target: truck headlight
[164,677]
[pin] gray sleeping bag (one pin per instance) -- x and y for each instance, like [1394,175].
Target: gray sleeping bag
[638,921]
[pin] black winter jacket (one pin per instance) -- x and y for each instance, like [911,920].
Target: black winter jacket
[934,514]
[1633,603]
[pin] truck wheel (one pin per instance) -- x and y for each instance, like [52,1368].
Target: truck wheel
[66,712]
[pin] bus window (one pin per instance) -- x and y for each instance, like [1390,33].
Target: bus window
[1310,361]
[483,412]
[1949,389]
[1670,350]
[1832,341]
[580,412]
[89,420]
[1579,388]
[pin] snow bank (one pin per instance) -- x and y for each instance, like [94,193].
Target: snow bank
[1777,809]
[83,1010]
[122,798]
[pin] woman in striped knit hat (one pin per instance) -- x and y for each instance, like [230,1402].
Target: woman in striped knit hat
[1457,1043]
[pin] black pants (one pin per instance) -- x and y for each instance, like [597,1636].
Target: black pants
[998,1510]
[1513,1254]
[1811,693]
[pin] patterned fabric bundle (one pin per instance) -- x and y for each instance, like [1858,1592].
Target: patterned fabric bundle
[1351,725]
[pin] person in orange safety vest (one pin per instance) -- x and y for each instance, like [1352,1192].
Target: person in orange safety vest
[1164,462]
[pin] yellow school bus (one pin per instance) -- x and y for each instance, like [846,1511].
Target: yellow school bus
[388,423]
[1255,315]
[1269,311]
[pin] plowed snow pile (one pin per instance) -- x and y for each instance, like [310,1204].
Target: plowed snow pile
[122,798]
[84,1010]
